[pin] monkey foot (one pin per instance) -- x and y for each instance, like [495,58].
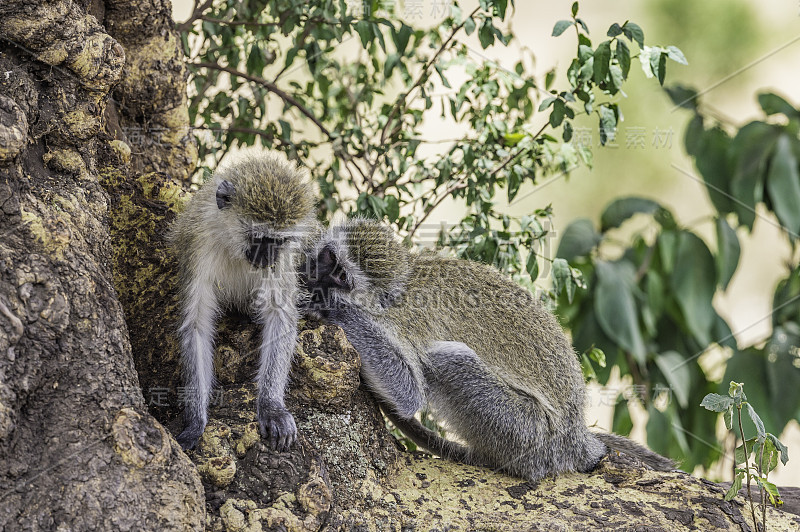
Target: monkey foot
[189,437]
[278,427]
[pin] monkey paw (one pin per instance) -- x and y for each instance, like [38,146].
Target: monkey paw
[277,425]
[190,435]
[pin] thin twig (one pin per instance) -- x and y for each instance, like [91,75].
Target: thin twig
[271,87]
[422,75]
[238,22]
[432,207]
[197,12]
[746,464]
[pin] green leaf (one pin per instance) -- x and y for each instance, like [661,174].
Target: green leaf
[728,251]
[486,33]
[561,276]
[784,451]
[727,416]
[255,61]
[622,422]
[693,282]
[578,240]
[615,307]
[557,114]
[659,430]
[602,58]
[750,150]
[532,266]
[766,456]
[574,8]
[619,210]
[783,185]
[561,26]
[674,53]
[682,96]
[623,54]
[547,102]
[658,63]
[364,30]
[735,487]
[757,421]
[402,36]
[634,33]
[739,454]
[711,152]
[616,77]
[676,370]
[614,30]
[469,25]
[392,208]
[548,79]
[716,402]
[608,124]
[774,104]
[771,490]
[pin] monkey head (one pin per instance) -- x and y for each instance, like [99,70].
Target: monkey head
[265,207]
[360,260]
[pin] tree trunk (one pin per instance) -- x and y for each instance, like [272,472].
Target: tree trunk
[95,151]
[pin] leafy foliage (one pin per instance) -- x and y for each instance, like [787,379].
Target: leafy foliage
[743,168]
[764,447]
[649,310]
[356,86]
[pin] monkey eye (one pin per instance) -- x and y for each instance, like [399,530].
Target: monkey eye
[225,192]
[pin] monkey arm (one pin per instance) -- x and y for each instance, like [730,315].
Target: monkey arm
[279,334]
[388,371]
[199,309]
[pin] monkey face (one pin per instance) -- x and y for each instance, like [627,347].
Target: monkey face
[263,250]
[326,272]
[323,274]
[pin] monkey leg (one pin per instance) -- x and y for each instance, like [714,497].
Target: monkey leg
[504,427]
[278,338]
[197,357]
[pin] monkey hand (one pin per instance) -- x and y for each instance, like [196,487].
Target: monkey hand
[277,426]
[188,438]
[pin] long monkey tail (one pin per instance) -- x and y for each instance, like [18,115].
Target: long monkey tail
[426,438]
[651,458]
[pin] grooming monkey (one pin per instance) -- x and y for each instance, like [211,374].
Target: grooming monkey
[458,336]
[239,243]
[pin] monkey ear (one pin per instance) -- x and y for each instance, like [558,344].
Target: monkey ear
[225,191]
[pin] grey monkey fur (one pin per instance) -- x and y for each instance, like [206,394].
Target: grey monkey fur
[238,244]
[458,336]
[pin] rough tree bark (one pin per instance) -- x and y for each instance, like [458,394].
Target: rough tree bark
[78,448]
[95,151]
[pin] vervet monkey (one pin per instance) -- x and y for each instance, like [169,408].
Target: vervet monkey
[460,337]
[239,244]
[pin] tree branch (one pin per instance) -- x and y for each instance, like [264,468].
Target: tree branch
[238,22]
[422,75]
[197,12]
[271,87]
[459,184]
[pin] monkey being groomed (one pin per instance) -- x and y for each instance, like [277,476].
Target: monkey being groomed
[459,337]
[239,243]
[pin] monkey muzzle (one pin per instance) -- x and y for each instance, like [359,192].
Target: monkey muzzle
[263,250]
